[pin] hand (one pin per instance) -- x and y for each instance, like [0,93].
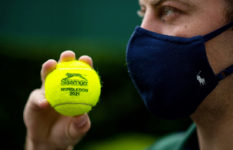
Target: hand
[46,129]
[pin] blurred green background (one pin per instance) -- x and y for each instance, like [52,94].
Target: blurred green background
[33,31]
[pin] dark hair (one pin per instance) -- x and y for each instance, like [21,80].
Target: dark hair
[229,10]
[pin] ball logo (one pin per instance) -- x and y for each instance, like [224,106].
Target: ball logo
[74,80]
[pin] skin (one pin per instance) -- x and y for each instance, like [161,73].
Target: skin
[214,116]
[185,18]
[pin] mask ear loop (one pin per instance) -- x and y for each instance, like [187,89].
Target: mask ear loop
[225,73]
[217,32]
[210,36]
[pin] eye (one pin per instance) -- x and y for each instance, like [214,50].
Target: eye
[168,14]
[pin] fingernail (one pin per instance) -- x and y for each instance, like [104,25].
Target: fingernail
[81,122]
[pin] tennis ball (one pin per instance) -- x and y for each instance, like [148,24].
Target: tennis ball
[73,88]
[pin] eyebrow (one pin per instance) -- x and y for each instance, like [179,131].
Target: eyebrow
[158,2]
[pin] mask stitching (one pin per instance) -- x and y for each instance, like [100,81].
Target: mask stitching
[167,38]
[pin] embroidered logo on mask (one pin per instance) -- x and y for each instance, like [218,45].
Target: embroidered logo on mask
[200,79]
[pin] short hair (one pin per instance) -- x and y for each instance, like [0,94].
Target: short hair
[229,10]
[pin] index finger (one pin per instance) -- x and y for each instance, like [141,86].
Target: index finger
[47,67]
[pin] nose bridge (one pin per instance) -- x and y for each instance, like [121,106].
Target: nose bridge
[146,19]
[150,21]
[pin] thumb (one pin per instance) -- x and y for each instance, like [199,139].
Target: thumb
[78,127]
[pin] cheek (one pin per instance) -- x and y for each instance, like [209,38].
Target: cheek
[185,30]
[219,52]
[212,55]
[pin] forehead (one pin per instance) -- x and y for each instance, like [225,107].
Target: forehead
[155,2]
[149,1]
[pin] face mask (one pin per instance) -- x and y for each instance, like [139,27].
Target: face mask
[172,74]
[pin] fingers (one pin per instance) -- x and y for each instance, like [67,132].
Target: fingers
[50,65]
[47,67]
[67,55]
[37,100]
[87,60]
[78,127]
[35,105]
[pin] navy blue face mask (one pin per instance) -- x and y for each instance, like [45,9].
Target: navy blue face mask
[172,74]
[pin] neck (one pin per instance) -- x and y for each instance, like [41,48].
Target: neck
[214,118]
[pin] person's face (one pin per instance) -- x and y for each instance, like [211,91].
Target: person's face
[187,18]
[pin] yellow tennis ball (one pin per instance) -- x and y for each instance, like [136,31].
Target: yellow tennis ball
[73,88]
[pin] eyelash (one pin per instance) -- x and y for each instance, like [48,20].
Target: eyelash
[162,12]
[168,13]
